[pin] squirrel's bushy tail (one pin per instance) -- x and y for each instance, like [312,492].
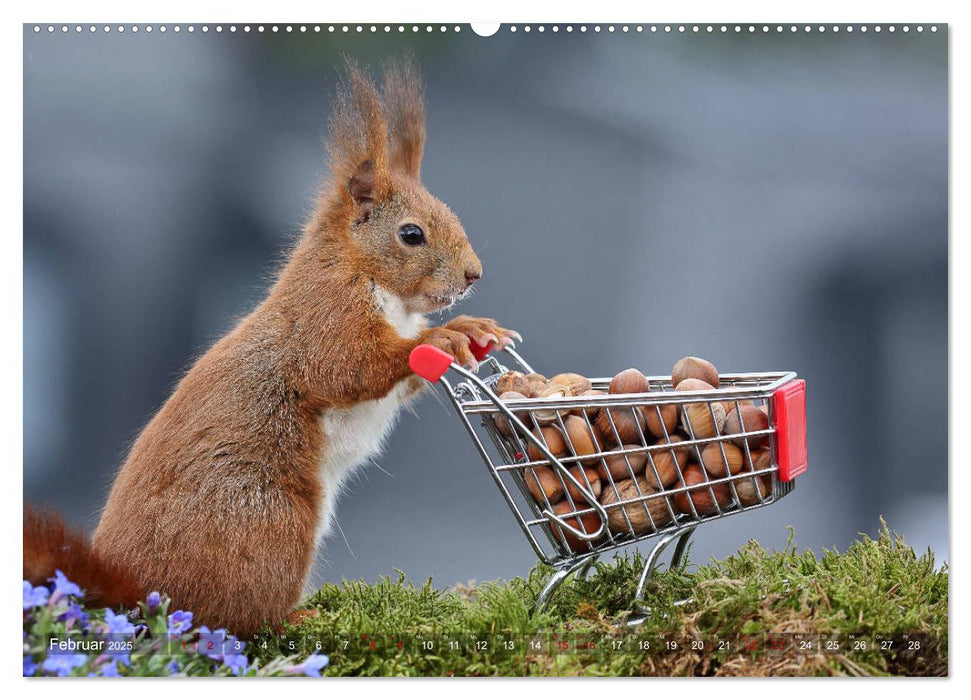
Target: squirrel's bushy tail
[50,544]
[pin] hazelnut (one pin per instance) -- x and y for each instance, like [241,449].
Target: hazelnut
[617,468]
[591,412]
[668,464]
[635,513]
[512,381]
[536,388]
[582,439]
[750,488]
[545,416]
[589,479]
[544,484]
[691,384]
[587,522]
[577,382]
[701,421]
[752,419]
[554,443]
[661,420]
[500,421]
[629,423]
[762,459]
[715,462]
[630,381]
[701,497]
[694,368]
[698,419]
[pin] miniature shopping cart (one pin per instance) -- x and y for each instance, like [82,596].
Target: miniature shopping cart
[636,501]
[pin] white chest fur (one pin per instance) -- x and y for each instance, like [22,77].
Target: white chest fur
[354,434]
[408,324]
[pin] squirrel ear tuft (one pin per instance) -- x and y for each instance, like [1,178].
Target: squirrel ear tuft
[358,139]
[361,184]
[404,100]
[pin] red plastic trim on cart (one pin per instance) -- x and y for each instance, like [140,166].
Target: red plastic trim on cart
[480,351]
[789,408]
[430,363]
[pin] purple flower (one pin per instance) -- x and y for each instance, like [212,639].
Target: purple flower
[180,621]
[110,670]
[173,667]
[63,664]
[153,600]
[30,668]
[63,587]
[118,624]
[74,613]
[237,663]
[311,665]
[35,596]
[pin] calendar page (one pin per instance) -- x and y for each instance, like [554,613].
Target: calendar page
[495,350]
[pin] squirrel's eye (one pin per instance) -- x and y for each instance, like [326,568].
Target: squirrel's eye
[411,235]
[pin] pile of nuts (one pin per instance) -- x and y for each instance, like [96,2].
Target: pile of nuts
[625,481]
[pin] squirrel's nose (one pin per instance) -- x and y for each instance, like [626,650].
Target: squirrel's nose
[471,276]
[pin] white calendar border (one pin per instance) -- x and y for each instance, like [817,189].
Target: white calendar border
[603,11]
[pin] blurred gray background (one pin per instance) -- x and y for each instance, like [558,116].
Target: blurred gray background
[769,202]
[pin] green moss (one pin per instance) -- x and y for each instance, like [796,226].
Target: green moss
[879,590]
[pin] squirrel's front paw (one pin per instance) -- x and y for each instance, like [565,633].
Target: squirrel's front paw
[454,342]
[484,331]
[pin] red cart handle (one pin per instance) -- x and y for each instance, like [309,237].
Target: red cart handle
[430,363]
[479,352]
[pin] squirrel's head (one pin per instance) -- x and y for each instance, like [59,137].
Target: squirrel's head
[394,230]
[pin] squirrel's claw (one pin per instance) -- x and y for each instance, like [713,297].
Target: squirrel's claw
[484,331]
[486,339]
[508,339]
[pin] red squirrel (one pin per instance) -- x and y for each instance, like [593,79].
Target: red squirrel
[228,490]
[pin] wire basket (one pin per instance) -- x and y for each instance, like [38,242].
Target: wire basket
[587,474]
